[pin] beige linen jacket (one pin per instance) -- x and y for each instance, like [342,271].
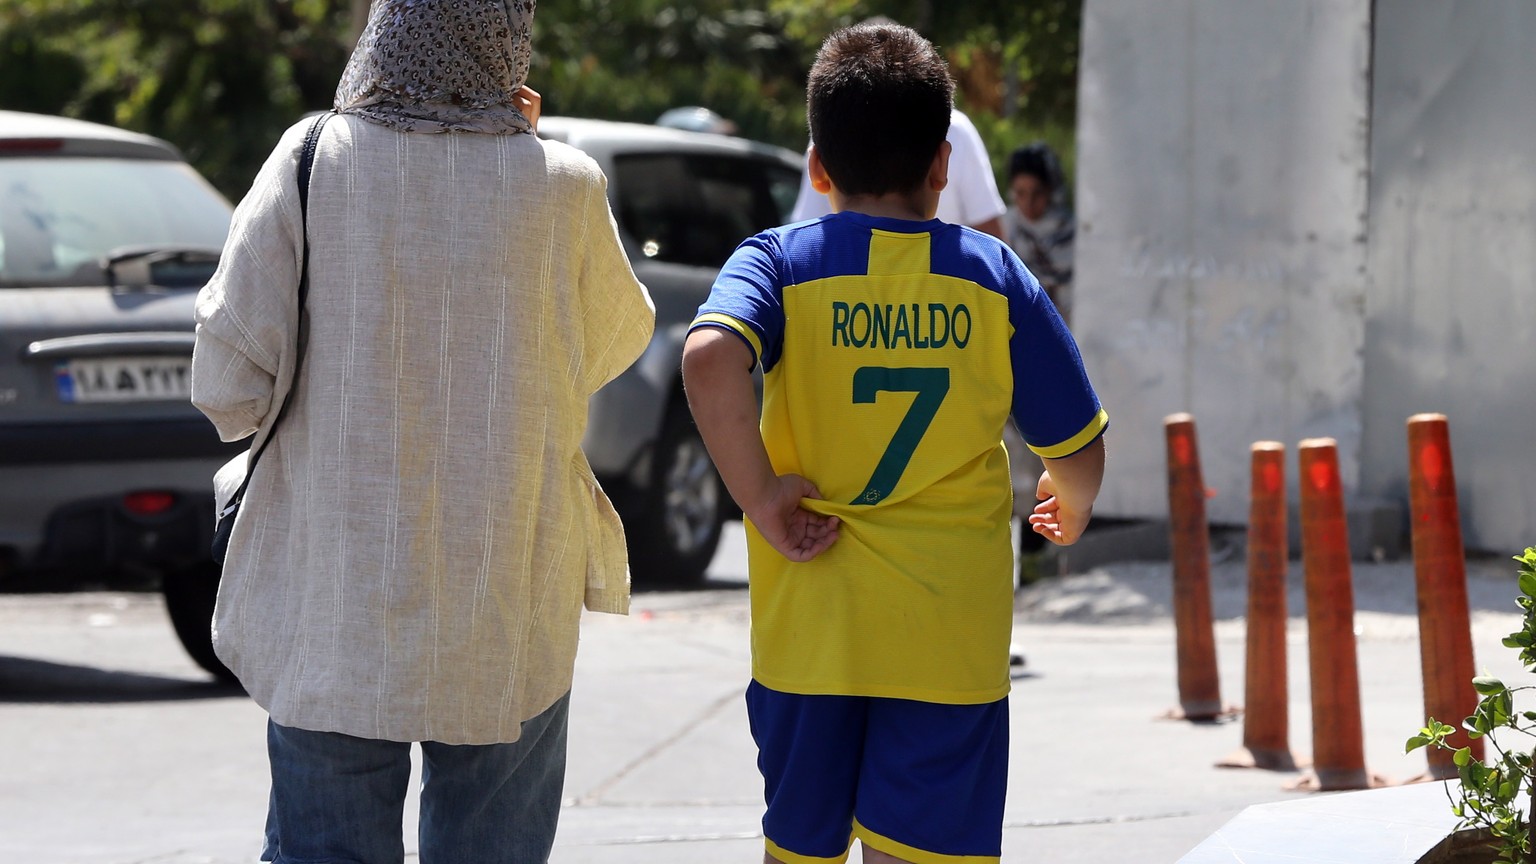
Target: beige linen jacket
[413,553]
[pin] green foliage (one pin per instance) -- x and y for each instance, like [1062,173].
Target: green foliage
[53,76]
[1015,63]
[1013,60]
[218,78]
[1493,793]
[633,60]
[221,79]
[1004,134]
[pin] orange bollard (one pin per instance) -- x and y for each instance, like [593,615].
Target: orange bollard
[1266,724]
[1338,739]
[1199,687]
[1440,573]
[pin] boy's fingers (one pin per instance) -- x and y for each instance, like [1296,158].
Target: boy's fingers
[820,536]
[817,534]
[809,548]
[820,545]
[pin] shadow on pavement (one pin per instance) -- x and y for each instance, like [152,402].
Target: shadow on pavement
[28,681]
[712,583]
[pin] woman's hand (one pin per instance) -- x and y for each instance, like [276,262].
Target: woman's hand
[528,101]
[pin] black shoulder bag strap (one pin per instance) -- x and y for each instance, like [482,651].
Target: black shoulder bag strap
[223,524]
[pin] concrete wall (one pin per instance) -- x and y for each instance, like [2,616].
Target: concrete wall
[1221,238]
[1451,306]
[1304,218]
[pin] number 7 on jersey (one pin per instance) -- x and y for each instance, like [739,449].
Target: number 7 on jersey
[931,384]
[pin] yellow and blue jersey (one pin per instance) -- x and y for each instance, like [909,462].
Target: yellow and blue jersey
[893,353]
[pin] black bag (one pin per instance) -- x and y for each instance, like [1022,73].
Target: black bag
[224,521]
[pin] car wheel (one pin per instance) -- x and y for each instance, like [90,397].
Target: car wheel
[189,595]
[672,525]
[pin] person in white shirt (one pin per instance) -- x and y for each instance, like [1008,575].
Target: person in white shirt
[414,550]
[971,197]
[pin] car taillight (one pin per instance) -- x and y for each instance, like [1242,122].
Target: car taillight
[31,145]
[148,503]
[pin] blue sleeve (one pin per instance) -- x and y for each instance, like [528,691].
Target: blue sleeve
[1054,405]
[747,299]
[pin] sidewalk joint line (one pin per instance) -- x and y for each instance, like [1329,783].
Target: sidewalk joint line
[714,708]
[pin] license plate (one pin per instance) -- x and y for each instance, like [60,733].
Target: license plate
[125,379]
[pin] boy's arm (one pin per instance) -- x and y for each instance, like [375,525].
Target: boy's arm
[717,375]
[1067,490]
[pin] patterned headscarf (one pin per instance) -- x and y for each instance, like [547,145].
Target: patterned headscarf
[440,65]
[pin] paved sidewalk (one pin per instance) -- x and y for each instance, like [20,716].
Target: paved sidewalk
[121,752]
[662,765]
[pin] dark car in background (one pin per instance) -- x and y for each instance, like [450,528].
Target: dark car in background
[683,201]
[105,466]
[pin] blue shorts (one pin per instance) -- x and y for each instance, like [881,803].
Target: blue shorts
[918,780]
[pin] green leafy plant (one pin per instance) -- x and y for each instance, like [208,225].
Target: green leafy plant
[1496,795]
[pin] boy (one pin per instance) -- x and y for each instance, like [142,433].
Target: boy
[894,347]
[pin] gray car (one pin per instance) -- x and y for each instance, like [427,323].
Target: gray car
[683,201]
[105,467]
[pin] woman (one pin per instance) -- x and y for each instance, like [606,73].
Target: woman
[415,547]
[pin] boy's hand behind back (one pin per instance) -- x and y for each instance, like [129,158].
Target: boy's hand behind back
[797,533]
[717,375]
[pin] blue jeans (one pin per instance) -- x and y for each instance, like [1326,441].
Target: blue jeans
[337,799]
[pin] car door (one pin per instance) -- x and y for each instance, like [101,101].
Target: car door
[683,211]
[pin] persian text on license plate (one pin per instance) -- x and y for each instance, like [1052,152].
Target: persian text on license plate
[124,379]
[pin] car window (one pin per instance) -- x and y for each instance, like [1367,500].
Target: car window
[690,208]
[59,216]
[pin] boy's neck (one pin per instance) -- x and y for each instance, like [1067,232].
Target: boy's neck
[912,206]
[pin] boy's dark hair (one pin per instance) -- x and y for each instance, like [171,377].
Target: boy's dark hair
[878,101]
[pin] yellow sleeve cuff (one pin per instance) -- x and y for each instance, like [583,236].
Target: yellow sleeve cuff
[1094,429]
[726,322]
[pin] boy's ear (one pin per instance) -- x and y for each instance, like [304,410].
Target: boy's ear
[820,180]
[938,172]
